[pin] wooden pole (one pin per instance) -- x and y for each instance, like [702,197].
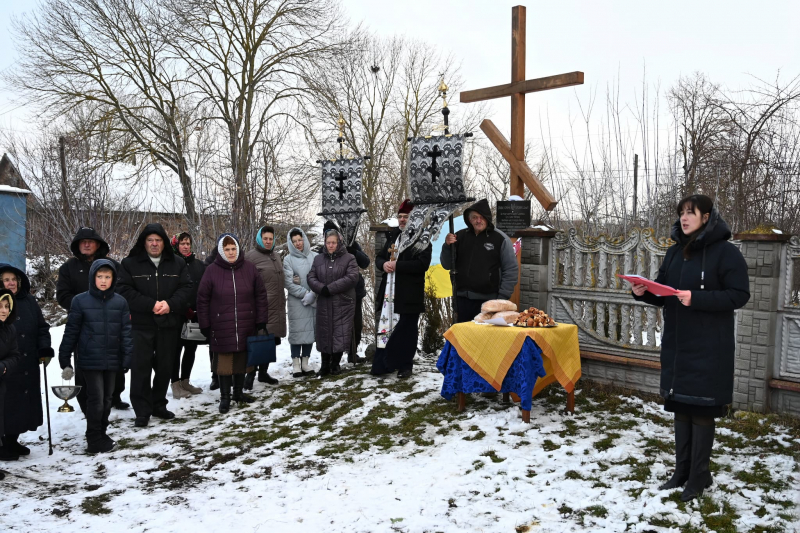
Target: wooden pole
[518,18]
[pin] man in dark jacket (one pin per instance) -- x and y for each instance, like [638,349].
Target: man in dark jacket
[73,279]
[157,286]
[99,331]
[486,266]
[409,300]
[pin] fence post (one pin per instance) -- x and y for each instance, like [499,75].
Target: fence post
[756,322]
[535,257]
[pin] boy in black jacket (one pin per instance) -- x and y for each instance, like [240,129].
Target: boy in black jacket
[99,331]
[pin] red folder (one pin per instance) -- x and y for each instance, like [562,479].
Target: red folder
[656,288]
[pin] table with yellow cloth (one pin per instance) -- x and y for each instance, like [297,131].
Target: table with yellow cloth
[490,351]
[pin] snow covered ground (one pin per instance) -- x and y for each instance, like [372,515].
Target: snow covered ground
[356,453]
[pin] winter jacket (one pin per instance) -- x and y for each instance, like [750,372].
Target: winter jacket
[698,342]
[409,282]
[73,276]
[23,390]
[270,267]
[10,358]
[142,284]
[487,265]
[98,329]
[302,318]
[196,269]
[335,313]
[362,260]
[231,301]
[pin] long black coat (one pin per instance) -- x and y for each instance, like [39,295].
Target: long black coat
[142,284]
[9,359]
[698,342]
[98,328]
[23,390]
[409,283]
[335,313]
[73,276]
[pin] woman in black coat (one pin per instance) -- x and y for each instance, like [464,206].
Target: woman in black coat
[9,357]
[23,406]
[698,340]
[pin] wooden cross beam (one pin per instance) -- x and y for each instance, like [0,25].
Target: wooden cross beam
[514,152]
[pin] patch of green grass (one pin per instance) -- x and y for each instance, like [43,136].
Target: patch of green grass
[96,505]
[573,474]
[249,461]
[606,442]
[759,476]
[491,454]
[478,464]
[565,509]
[477,436]
[639,471]
[126,443]
[719,518]
[597,510]
[549,445]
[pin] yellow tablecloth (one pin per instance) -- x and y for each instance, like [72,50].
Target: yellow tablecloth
[490,350]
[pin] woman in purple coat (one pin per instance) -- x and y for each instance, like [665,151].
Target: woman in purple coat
[231,306]
[334,276]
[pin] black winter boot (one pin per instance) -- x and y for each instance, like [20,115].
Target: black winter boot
[7,452]
[683,454]
[335,360]
[16,447]
[264,377]
[225,383]
[325,367]
[249,380]
[699,476]
[214,381]
[239,395]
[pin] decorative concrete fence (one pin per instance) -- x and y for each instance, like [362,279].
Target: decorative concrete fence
[573,279]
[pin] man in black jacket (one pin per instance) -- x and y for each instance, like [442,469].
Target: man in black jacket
[158,288]
[487,266]
[409,300]
[73,279]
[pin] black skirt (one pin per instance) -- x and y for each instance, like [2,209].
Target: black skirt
[713,411]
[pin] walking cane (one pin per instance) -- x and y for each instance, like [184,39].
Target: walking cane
[47,403]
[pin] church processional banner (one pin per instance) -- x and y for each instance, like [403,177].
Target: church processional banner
[341,194]
[437,187]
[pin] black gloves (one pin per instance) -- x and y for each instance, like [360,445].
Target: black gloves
[325,292]
[261,326]
[206,332]
[277,341]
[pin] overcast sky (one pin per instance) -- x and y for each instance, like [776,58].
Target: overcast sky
[729,40]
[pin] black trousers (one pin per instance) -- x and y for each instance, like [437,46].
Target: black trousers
[153,357]
[182,368]
[467,309]
[119,388]
[401,348]
[99,391]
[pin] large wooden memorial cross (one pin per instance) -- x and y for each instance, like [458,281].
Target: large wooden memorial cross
[514,152]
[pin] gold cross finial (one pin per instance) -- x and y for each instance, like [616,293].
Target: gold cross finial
[443,91]
[341,123]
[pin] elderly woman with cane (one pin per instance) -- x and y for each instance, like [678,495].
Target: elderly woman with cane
[698,340]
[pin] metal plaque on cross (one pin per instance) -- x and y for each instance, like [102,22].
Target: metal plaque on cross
[437,187]
[341,194]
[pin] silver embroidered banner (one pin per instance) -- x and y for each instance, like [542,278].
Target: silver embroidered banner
[437,187]
[341,194]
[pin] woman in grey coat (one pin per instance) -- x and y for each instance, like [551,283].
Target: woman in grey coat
[301,304]
[333,277]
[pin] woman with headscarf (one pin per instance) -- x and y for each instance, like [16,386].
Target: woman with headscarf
[270,266]
[302,302]
[182,369]
[9,357]
[698,341]
[23,404]
[333,277]
[235,290]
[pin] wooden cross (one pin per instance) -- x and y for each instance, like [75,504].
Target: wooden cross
[514,152]
[392,250]
[432,168]
[340,188]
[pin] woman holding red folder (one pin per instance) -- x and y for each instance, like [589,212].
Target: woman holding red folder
[698,341]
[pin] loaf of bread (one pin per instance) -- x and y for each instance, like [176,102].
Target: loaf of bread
[509,316]
[483,316]
[495,306]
